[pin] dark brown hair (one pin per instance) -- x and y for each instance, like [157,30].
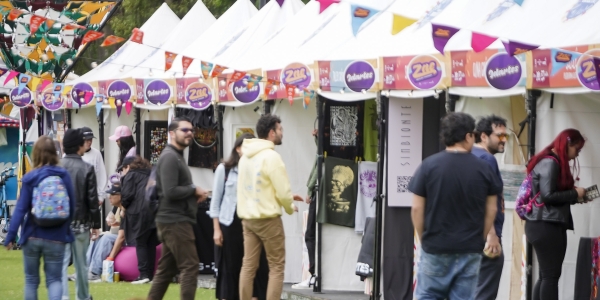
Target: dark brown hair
[140,163]
[44,152]
[234,158]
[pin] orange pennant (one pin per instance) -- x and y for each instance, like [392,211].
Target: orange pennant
[185,63]
[73,26]
[137,36]
[217,70]
[34,23]
[111,40]
[269,86]
[50,23]
[237,75]
[91,36]
[14,14]
[169,59]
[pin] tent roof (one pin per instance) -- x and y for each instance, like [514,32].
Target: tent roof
[194,23]
[156,30]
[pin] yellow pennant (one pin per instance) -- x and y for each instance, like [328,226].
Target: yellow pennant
[400,23]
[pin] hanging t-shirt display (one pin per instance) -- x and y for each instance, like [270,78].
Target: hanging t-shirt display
[203,149]
[367,190]
[343,136]
[337,203]
[370,132]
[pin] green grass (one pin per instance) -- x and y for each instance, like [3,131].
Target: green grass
[12,283]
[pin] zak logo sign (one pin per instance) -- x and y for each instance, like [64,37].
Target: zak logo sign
[198,95]
[296,74]
[503,71]
[425,72]
[157,92]
[50,101]
[586,71]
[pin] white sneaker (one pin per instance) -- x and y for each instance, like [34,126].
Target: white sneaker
[302,285]
[141,281]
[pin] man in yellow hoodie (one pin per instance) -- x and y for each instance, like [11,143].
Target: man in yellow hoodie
[263,189]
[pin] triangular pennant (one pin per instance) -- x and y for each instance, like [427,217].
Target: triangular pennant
[23,81]
[516,48]
[519,2]
[269,86]
[50,23]
[91,36]
[57,89]
[308,95]
[237,75]
[99,103]
[119,107]
[169,59]
[441,35]
[206,68]
[34,23]
[3,71]
[73,26]
[560,59]
[290,90]
[280,2]
[324,4]
[137,36]
[480,42]
[34,83]
[360,15]
[87,97]
[399,23]
[128,107]
[217,70]
[14,14]
[11,74]
[111,40]
[185,63]
[253,80]
[45,83]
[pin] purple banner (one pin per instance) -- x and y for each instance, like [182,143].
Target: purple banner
[119,90]
[80,91]
[20,99]
[441,35]
[50,101]
[516,48]
[157,92]
[503,71]
[198,95]
[242,93]
[359,76]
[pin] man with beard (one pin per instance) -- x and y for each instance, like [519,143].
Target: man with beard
[263,189]
[490,139]
[178,198]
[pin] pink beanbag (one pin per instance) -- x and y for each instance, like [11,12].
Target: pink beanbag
[127,265]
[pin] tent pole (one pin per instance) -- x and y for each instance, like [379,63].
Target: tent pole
[267,104]
[531,107]
[68,119]
[320,126]
[138,134]
[220,112]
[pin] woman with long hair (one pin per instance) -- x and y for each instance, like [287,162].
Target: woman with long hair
[139,225]
[547,224]
[124,139]
[228,231]
[39,239]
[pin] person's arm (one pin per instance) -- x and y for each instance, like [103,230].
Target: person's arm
[548,171]
[218,191]
[128,189]
[92,196]
[281,183]
[169,180]
[491,207]
[118,244]
[23,206]
[417,214]
[71,192]
[312,180]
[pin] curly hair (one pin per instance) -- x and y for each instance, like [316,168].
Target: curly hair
[265,124]
[346,173]
[485,125]
[455,126]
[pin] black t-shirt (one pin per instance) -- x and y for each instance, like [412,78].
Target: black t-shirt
[455,187]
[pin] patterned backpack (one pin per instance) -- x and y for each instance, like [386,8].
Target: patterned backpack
[525,200]
[50,204]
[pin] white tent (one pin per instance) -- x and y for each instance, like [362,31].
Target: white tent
[156,30]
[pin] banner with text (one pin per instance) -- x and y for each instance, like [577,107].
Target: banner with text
[351,76]
[155,91]
[421,72]
[488,68]
[562,68]
[195,92]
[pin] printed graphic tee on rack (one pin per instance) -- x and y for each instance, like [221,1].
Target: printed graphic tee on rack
[343,132]
[367,190]
[203,149]
[370,132]
[337,204]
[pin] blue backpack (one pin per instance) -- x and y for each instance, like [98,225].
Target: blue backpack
[50,204]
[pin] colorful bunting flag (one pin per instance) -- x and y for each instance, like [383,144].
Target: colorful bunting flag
[253,80]
[2,72]
[291,92]
[480,42]
[280,2]
[45,83]
[128,107]
[50,23]
[91,36]
[119,107]
[237,75]
[34,23]
[217,70]
[137,36]
[441,35]
[11,74]
[99,102]
[324,4]
[185,63]
[269,86]
[14,14]
[23,81]
[206,68]
[519,2]
[57,89]
[308,95]
[515,48]
[560,59]
[111,40]
[73,26]
[169,59]
[360,15]
[399,23]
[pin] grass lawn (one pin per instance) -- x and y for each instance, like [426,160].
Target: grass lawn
[12,282]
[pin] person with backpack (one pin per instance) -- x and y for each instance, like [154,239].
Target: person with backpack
[141,227]
[549,213]
[44,212]
[228,231]
[87,220]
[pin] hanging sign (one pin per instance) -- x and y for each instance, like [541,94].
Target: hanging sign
[296,74]
[198,95]
[157,92]
[413,72]
[503,71]
[50,100]
[120,90]
[586,71]
[554,68]
[242,93]
[82,91]
[347,75]
[20,98]
[424,72]
[359,76]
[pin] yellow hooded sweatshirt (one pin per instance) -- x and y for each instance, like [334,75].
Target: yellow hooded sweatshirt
[263,186]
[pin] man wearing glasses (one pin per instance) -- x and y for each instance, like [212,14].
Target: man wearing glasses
[176,216]
[490,139]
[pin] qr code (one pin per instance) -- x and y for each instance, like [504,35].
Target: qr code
[403,184]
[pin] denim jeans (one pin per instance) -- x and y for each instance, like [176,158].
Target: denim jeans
[52,252]
[78,249]
[101,249]
[447,276]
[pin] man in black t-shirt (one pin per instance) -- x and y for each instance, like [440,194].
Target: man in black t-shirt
[453,209]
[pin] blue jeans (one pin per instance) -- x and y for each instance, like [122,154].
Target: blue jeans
[78,249]
[52,252]
[101,249]
[447,276]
